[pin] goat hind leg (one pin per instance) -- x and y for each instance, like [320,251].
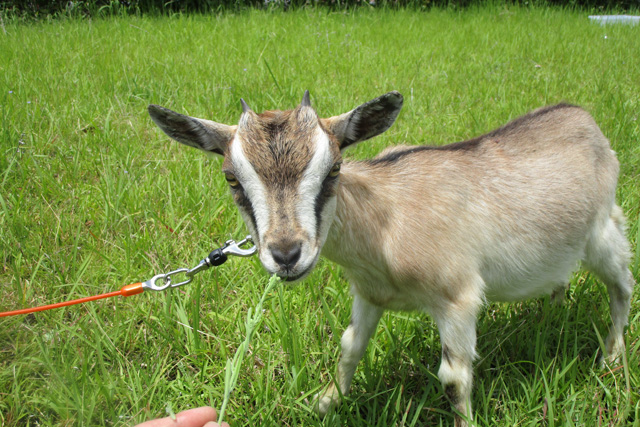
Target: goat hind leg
[608,254]
[364,320]
[457,327]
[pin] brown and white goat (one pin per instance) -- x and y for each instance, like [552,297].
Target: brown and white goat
[502,217]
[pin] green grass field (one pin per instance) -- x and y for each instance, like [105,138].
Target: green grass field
[94,197]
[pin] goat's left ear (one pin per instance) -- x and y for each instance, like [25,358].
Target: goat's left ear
[366,121]
[199,133]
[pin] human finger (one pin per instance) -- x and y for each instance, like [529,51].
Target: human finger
[196,417]
[215,424]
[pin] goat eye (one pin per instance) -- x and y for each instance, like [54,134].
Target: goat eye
[335,170]
[231,179]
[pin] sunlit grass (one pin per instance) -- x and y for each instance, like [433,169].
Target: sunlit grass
[94,196]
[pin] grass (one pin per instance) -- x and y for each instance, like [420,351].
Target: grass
[233,368]
[94,196]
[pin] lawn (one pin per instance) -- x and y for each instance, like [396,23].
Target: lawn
[94,197]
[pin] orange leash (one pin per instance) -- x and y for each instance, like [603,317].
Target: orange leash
[160,282]
[125,291]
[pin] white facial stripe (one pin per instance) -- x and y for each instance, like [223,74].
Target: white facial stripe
[311,182]
[253,186]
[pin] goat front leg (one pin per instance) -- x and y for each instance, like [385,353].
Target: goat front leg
[457,326]
[364,320]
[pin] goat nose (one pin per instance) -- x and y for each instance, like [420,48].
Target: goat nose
[286,256]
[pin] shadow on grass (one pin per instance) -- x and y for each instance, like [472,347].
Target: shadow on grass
[535,359]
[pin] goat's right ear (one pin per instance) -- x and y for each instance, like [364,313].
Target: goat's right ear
[366,121]
[199,133]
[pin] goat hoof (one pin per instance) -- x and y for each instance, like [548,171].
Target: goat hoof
[323,405]
[325,402]
[610,360]
[615,349]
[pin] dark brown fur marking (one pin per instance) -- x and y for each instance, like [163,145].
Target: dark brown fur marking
[188,130]
[471,144]
[524,121]
[452,394]
[446,354]
[373,117]
[397,155]
[279,145]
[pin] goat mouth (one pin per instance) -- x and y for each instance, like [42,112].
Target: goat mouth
[294,273]
[295,277]
[292,278]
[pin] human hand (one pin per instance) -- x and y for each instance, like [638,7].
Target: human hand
[198,417]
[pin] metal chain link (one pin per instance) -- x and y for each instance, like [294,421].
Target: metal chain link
[161,282]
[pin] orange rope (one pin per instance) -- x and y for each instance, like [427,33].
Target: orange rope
[125,291]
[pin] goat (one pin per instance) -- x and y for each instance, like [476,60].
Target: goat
[502,217]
